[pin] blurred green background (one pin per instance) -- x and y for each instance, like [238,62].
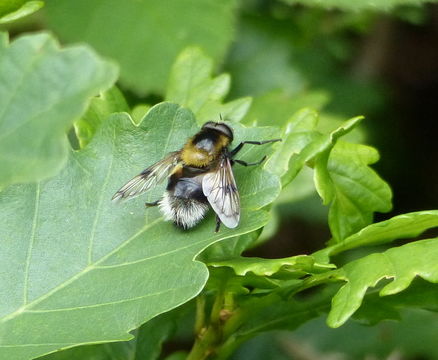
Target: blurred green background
[354,59]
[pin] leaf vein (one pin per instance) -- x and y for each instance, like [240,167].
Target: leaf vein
[31,243]
[99,205]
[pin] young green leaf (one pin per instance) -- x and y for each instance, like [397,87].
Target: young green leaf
[43,90]
[403,226]
[358,5]
[11,10]
[354,191]
[419,295]
[144,36]
[191,85]
[269,267]
[402,264]
[87,270]
[298,132]
[309,145]
[100,108]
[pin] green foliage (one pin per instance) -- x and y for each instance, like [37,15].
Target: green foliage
[357,5]
[191,85]
[399,227]
[402,264]
[118,279]
[104,243]
[346,182]
[144,36]
[147,343]
[99,109]
[268,267]
[11,10]
[34,117]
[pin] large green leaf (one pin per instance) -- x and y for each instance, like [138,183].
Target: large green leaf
[11,10]
[144,36]
[401,264]
[191,85]
[356,5]
[80,269]
[43,90]
[146,345]
[354,191]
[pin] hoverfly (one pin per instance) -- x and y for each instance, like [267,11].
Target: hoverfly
[199,175]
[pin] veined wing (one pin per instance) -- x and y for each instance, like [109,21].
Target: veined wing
[220,189]
[148,177]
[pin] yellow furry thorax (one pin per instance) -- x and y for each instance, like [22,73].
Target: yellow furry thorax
[196,157]
[193,156]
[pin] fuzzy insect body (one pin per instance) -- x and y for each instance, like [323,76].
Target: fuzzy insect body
[199,176]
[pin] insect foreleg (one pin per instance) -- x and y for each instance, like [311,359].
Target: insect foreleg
[218,224]
[244,163]
[151,204]
[239,147]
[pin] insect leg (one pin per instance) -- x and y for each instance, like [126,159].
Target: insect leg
[218,224]
[239,147]
[244,163]
[151,204]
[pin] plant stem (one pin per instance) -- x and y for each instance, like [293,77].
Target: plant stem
[208,336]
[200,314]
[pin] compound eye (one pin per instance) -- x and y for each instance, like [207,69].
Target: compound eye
[209,124]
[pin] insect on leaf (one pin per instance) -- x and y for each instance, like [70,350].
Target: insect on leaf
[115,265]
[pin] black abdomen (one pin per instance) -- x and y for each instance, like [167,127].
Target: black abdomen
[187,188]
[184,202]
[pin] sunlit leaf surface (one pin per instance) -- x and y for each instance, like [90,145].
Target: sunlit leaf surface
[80,269]
[42,91]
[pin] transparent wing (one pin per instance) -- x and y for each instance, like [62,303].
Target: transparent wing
[148,177]
[221,191]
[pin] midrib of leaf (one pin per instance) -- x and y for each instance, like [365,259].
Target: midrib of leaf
[151,257]
[81,273]
[353,181]
[18,87]
[346,245]
[82,167]
[341,195]
[31,242]
[94,266]
[101,304]
[99,204]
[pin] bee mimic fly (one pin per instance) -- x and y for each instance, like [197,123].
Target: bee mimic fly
[199,175]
